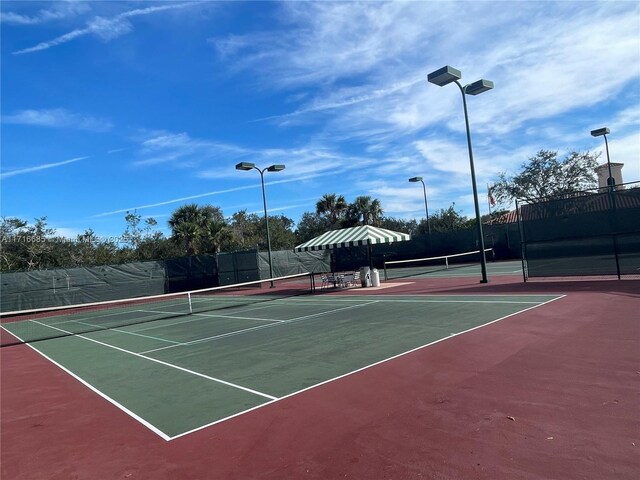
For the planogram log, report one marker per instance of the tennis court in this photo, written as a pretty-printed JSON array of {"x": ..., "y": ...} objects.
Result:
[
  {"x": 425, "y": 374},
  {"x": 180, "y": 374},
  {"x": 447, "y": 267}
]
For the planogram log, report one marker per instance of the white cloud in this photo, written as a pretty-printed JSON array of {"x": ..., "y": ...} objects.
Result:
[
  {"x": 362, "y": 68},
  {"x": 57, "y": 118},
  {"x": 38, "y": 168},
  {"x": 346, "y": 98},
  {"x": 105, "y": 29},
  {"x": 59, "y": 10},
  {"x": 161, "y": 203},
  {"x": 624, "y": 150},
  {"x": 329, "y": 41},
  {"x": 66, "y": 232},
  {"x": 216, "y": 160},
  {"x": 170, "y": 201},
  {"x": 180, "y": 150},
  {"x": 540, "y": 74},
  {"x": 546, "y": 60}
]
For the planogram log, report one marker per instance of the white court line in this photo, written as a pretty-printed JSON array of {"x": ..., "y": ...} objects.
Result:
[
  {"x": 285, "y": 301},
  {"x": 274, "y": 399},
  {"x": 218, "y": 316},
  {"x": 180, "y": 322},
  {"x": 167, "y": 364},
  {"x": 450, "y": 275},
  {"x": 100, "y": 328},
  {"x": 71, "y": 320},
  {"x": 214, "y": 315},
  {"x": 364, "y": 368},
  {"x": 413, "y": 297},
  {"x": 355, "y": 299},
  {"x": 259, "y": 327},
  {"x": 133, "y": 415}
]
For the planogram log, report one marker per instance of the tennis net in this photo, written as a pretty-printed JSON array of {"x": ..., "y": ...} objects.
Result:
[
  {"x": 26, "y": 326},
  {"x": 422, "y": 266}
]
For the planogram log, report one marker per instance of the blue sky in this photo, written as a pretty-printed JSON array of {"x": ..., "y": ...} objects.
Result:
[{"x": 109, "y": 107}]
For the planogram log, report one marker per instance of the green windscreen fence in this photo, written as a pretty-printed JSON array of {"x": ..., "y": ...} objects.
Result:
[
  {"x": 238, "y": 267},
  {"x": 32, "y": 325},
  {"x": 288, "y": 262},
  {"x": 191, "y": 273},
  {"x": 582, "y": 234},
  {"x": 72, "y": 286},
  {"x": 68, "y": 286}
]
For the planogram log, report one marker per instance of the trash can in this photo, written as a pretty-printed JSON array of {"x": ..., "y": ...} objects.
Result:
[
  {"x": 365, "y": 276},
  {"x": 375, "y": 278}
]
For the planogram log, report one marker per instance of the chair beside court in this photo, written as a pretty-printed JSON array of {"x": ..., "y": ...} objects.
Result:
[{"x": 343, "y": 280}]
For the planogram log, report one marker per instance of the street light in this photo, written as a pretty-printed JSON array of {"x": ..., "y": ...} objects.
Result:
[
  {"x": 602, "y": 132},
  {"x": 273, "y": 168},
  {"x": 426, "y": 207},
  {"x": 611, "y": 182},
  {"x": 445, "y": 76}
]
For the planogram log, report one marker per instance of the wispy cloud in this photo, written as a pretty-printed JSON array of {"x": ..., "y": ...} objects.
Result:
[
  {"x": 173, "y": 200},
  {"x": 58, "y": 11},
  {"x": 353, "y": 55},
  {"x": 57, "y": 118},
  {"x": 38, "y": 168},
  {"x": 346, "y": 98},
  {"x": 215, "y": 160},
  {"x": 206, "y": 194},
  {"x": 105, "y": 29},
  {"x": 180, "y": 150},
  {"x": 327, "y": 42}
]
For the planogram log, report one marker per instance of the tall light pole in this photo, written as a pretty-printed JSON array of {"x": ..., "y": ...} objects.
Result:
[
  {"x": 445, "y": 76},
  {"x": 611, "y": 185},
  {"x": 602, "y": 132},
  {"x": 273, "y": 168},
  {"x": 426, "y": 207}
]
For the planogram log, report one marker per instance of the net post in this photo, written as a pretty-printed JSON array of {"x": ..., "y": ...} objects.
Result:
[{"x": 523, "y": 243}]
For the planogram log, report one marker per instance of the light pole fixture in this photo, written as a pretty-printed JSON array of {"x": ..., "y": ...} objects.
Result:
[
  {"x": 273, "y": 168},
  {"x": 602, "y": 132},
  {"x": 426, "y": 207},
  {"x": 611, "y": 183},
  {"x": 445, "y": 76}
]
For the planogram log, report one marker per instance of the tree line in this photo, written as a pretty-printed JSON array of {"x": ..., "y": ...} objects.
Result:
[{"x": 197, "y": 229}]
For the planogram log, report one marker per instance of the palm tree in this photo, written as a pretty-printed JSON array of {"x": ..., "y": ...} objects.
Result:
[
  {"x": 333, "y": 207},
  {"x": 363, "y": 207},
  {"x": 187, "y": 234},
  {"x": 217, "y": 234},
  {"x": 192, "y": 226}
]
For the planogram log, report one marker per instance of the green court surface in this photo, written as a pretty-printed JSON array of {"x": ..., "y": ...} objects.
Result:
[
  {"x": 439, "y": 270},
  {"x": 180, "y": 374}
]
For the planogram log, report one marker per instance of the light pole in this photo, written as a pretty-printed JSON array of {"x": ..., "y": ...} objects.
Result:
[
  {"x": 426, "y": 207},
  {"x": 611, "y": 183},
  {"x": 273, "y": 168},
  {"x": 602, "y": 132},
  {"x": 445, "y": 76}
]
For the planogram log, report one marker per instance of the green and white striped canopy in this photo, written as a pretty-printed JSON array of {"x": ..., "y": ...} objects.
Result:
[{"x": 352, "y": 237}]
